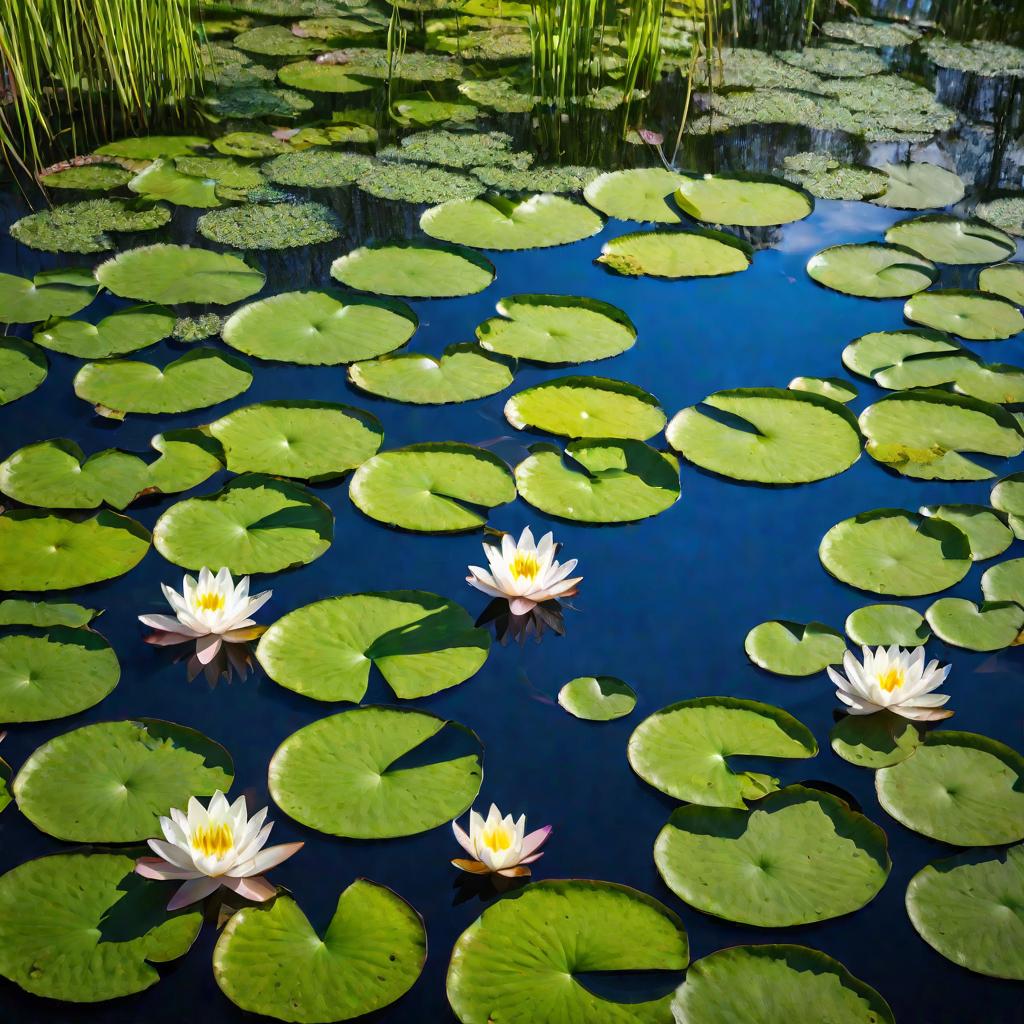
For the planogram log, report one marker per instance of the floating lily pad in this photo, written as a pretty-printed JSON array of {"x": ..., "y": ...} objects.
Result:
[
  {"x": 836, "y": 388},
  {"x": 587, "y": 407},
  {"x": 83, "y": 927},
  {"x": 877, "y": 740},
  {"x": 990, "y": 626},
  {"x": 835, "y": 60},
  {"x": 1006, "y": 280},
  {"x": 826, "y": 178},
  {"x": 767, "y": 435},
  {"x": 317, "y": 168},
  {"x": 742, "y": 201},
  {"x": 420, "y": 643},
  {"x": 794, "y": 649},
  {"x": 304, "y": 439},
  {"x": 517, "y": 963},
  {"x": 462, "y": 373},
  {"x": 683, "y": 749},
  {"x": 319, "y": 328},
  {"x": 152, "y": 147},
  {"x": 557, "y": 178},
  {"x": 17, "y": 612},
  {"x": 641, "y": 194},
  {"x": 872, "y": 354},
  {"x": 179, "y": 273},
  {"x": 110, "y": 782},
  {"x": 978, "y": 316},
  {"x": 50, "y": 293},
  {"x": 256, "y": 101},
  {"x": 435, "y": 487},
  {"x": 882, "y": 625},
  {"x": 313, "y": 77},
  {"x": 955, "y": 240},
  {"x": 255, "y": 524},
  {"x": 418, "y": 183},
  {"x": 459, "y": 149},
  {"x": 1008, "y": 497},
  {"x": 48, "y": 552},
  {"x": 920, "y": 186},
  {"x": 976, "y": 56},
  {"x": 597, "y": 698},
  {"x": 344, "y": 774},
  {"x": 599, "y": 480},
  {"x": 1004, "y": 581},
  {"x": 557, "y": 329},
  {"x": 871, "y": 32},
  {"x": 1006, "y": 212},
  {"x": 271, "y": 225},
  {"x": 126, "y": 330},
  {"x": 162, "y": 180},
  {"x": 414, "y": 269},
  {"x": 95, "y": 177},
  {"x": 895, "y": 552},
  {"x": 86, "y": 226},
  {"x": 250, "y": 145},
  {"x": 675, "y": 254},
  {"x": 200, "y": 378},
  {"x": 960, "y": 788},
  {"x": 965, "y": 908},
  {"x": 269, "y": 959},
  {"x": 23, "y": 367},
  {"x": 276, "y": 41},
  {"x": 986, "y": 532},
  {"x": 872, "y": 270}
]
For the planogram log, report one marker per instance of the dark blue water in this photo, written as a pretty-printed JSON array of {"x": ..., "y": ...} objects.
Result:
[{"x": 665, "y": 605}]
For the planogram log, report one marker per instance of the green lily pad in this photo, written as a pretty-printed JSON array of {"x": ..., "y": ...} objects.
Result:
[
  {"x": 798, "y": 856},
  {"x": 110, "y": 782},
  {"x": 977, "y": 316},
  {"x": 836, "y": 388},
  {"x": 895, "y": 552},
  {"x": 435, "y": 487},
  {"x": 920, "y": 186},
  {"x": 730, "y": 985},
  {"x": 319, "y": 328},
  {"x": 23, "y": 367},
  {"x": 17, "y": 612},
  {"x": 1006, "y": 280},
  {"x": 83, "y": 927},
  {"x": 767, "y": 435},
  {"x": 48, "y": 552},
  {"x": 986, "y": 532},
  {"x": 683, "y": 749},
  {"x": 960, "y": 241},
  {"x": 1006, "y": 212},
  {"x": 872, "y": 270},
  {"x": 960, "y": 788},
  {"x": 557, "y": 329},
  {"x": 597, "y": 698},
  {"x": 1004, "y": 581},
  {"x": 965, "y": 908},
  {"x": 152, "y": 147},
  {"x": 640, "y": 194},
  {"x": 201, "y": 377},
  {"x": 742, "y": 201},
  {"x": 794, "y": 649},
  {"x": 872, "y": 354},
  {"x": 55, "y": 673},
  {"x": 271, "y": 226},
  {"x": 88, "y": 178},
  {"x": 276, "y": 41},
  {"x": 414, "y": 269},
  {"x": 990, "y": 626},
  {"x": 587, "y": 407},
  {"x": 317, "y": 168},
  {"x": 87, "y": 226},
  {"x": 969, "y": 375},
  {"x": 517, "y": 962},
  {"x": 599, "y": 480},
  {"x": 307, "y": 440},
  {"x": 675, "y": 254},
  {"x": 313, "y": 77},
  {"x": 49, "y": 293},
  {"x": 254, "y": 524},
  {"x": 343, "y": 774},
  {"x": 179, "y": 273},
  {"x": 882, "y": 625},
  {"x": 877, "y": 740},
  {"x": 825, "y": 177},
  {"x": 126, "y": 330},
  {"x": 162, "y": 180},
  {"x": 420, "y": 643},
  {"x": 462, "y": 373},
  {"x": 269, "y": 959},
  {"x": 1008, "y": 496},
  {"x": 418, "y": 183},
  {"x": 251, "y": 145}
]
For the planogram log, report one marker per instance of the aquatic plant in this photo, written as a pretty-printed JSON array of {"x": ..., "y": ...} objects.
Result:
[
  {"x": 892, "y": 679},
  {"x": 499, "y": 845}
]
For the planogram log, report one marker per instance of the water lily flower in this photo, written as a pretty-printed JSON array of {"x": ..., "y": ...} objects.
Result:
[
  {"x": 499, "y": 845},
  {"x": 893, "y": 679},
  {"x": 524, "y": 573},
  {"x": 215, "y": 846}
]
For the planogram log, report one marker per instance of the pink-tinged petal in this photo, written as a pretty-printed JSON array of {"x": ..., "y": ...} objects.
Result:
[
  {"x": 207, "y": 648},
  {"x": 154, "y": 867},
  {"x": 257, "y": 889},
  {"x": 462, "y": 839},
  {"x": 193, "y": 891},
  {"x": 521, "y": 605},
  {"x": 166, "y": 624},
  {"x": 530, "y": 860},
  {"x": 272, "y": 856},
  {"x": 535, "y": 840},
  {"x": 168, "y": 639},
  {"x": 171, "y": 853},
  {"x": 922, "y": 714}
]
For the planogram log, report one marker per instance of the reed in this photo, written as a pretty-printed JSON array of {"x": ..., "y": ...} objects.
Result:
[{"x": 567, "y": 40}]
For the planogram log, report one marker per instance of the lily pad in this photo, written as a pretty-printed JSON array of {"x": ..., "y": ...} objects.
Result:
[
  {"x": 23, "y": 367},
  {"x": 420, "y": 643},
  {"x": 683, "y": 750},
  {"x": 1008, "y": 496},
  {"x": 110, "y": 782},
  {"x": 1006, "y": 212},
  {"x": 414, "y": 269},
  {"x": 1006, "y": 280},
  {"x": 640, "y": 194},
  {"x": 1004, "y": 581},
  {"x": 960, "y": 788},
  {"x": 126, "y": 330},
  {"x": 95, "y": 177},
  {"x": 307, "y": 440},
  {"x": 872, "y": 270},
  {"x": 17, "y": 612},
  {"x": 152, "y": 147},
  {"x": 276, "y": 41},
  {"x": 877, "y": 740},
  {"x": 317, "y": 168},
  {"x": 986, "y": 532},
  {"x": 313, "y": 77},
  {"x": 675, "y": 254},
  {"x": 597, "y": 698},
  {"x": 990, "y": 626},
  {"x": 920, "y": 186},
  {"x": 87, "y": 226},
  {"x": 439, "y": 487},
  {"x": 162, "y": 180},
  {"x": 418, "y": 183},
  {"x": 517, "y": 963},
  {"x": 83, "y": 927},
  {"x": 882, "y": 625},
  {"x": 255, "y": 524},
  {"x": 599, "y": 480},
  {"x": 968, "y": 374},
  {"x": 269, "y": 959},
  {"x": 872, "y": 354},
  {"x": 977, "y": 316},
  {"x": 742, "y": 201},
  {"x": 960, "y": 241},
  {"x": 50, "y": 293},
  {"x": 271, "y": 225},
  {"x": 344, "y": 774},
  {"x": 794, "y": 649},
  {"x": 895, "y": 552},
  {"x": 836, "y": 388}
]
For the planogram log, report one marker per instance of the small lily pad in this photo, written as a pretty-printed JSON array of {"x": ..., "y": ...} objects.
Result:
[
  {"x": 1004, "y": 581},
  {"x": 50, "y": 293},
  {"x": 676, "y": 254},
  {"x": 126, "y": 330},
  {"x": 152, "y": 147},
  {"x": 742, "y": 201},
  {"x": 643, "y": 194},
  {"x": 313, "y": 77},
  {"x": 977, "y": 316},
  {"x": 990, "y": 626},
  {"x": 23, "y": 367},
  {"x": 920, "y": 186},
  {"x": 872, "y": 270},
  {"x": 882, "y": 625},
  {"x": 1006, "y": 280},
  {"x": 872, "y": 354},
  {"x": 597, "y": 698},
  {"x": 877, "y": 740},
  {"x": 836, "y": 388},
  {"x": 95, "y": 177},
  {"x": 17, "y": 612},
  {"x": 162, "y": 180},
  {"x": 1006, "y": 212},
  {"x": 1008, "y": 496},
  {"x": 986, "y": 532},
  {"x": 414, "y": 269},
  {"x": 960, "y": 241},
  {"x": 794, "y": 649}
]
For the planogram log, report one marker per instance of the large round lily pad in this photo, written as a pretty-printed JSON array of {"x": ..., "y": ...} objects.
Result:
[
  {"x": 23, "y": 367},
  {"x": 794, "y": 649},
  {"x": 920, "y": 186},
  {"x": 517, "y": 962},
  {"x": 599, "y": 480},
  {"x": 110, "y": 782},
  {"x": 683, "y": 749},
  {"x": 944, "y": 238},
  {"x": 877, "y": 740},
  {"x": 1004, "y": 581},
  {"x": 49, "y": 293},
  {"x": 643, "y": 193},
  {"x": 270, "y": 960},
  {"x": 345, "y": 774},
  {"x": 420, "y": 643},
  {"x": 882, "y": 625},
  {"x": 432, "y": 487},
  {"x": 126, "y": 330},
  {"x": 960, "y": 788},
  {"x": 895, "y": 552},
  {"x": 303, "y": 439},
  {"x": 872, "y": 270},
  {"x": 742, "y": 201},
  {"x": 675, "y": 254},
  {"x": 597, "y": 698},
  {"x": 798, "y": 856},
  {"x": 414, "y": 269},
  {"x": 968, "y": 909},
  {"x": 255, "y": 524},
  {"x": 977, "y": 316},
  {"x": 83, "y": 927},
  {"x": 990, "y": 626},
  {"x": 39, "y": 551}
]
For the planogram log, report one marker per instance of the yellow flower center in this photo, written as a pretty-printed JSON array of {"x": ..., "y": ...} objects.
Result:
[
  {"x": 213, "y": 840},
  {"x": 524, "y": 566},
  {"x": 891, "y": 679},
  {"x": 497, "y": 839},
  {"x": 210, "y": 601}
]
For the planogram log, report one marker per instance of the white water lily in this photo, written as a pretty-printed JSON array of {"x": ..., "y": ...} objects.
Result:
[
  {"x": 499, "y": 845},
  {"x": 210, "y": 847},
  {"x": 524, "y": 573},
  {"x": 893, "y": 679}
]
